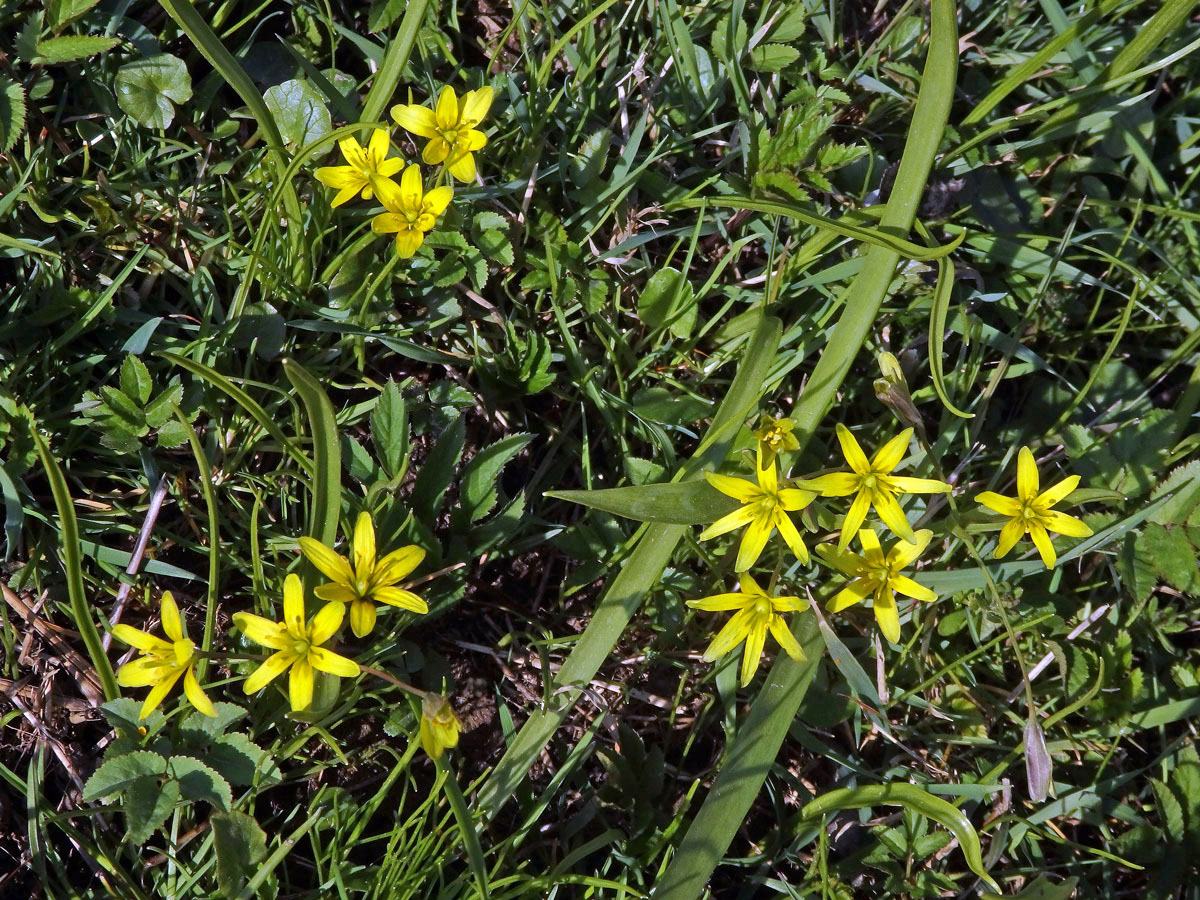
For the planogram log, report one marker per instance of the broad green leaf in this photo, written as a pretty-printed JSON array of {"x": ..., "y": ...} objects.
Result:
[
  {"x": 914, "y": 798},
  {"x": 1173, "y": 556},
  {"x": 389, "y": 429},
  {"x": 678, "y": 503},
  {"x": 668, "y": 298},
  {"x": 118, "y": 773},
  {"x": 159, "y": 410},
  {"x": 1183, "y": 484},
  {"x": 479, "y": 492},
  {"x": 124, "y": 407},
  {"x": 122, "y": 714},
  {"x": 147, "y": 803},
  {"x": 239, "y": 760},
  {"x": 147, "y": 87},
  {"x": 438, "y": 470},
  {"x": 200, "y": 782},
  {"x": 772, "y": 57},
  {"x": 64, "y": 12},
  {"x": 172, "y": 434},
  {"x": 135, "y": 379},
  {"x": 72, "y": 47},
  {"x": 241, "y": 845},
  {"x": 358, "y": 462},
  {"x": 202, "y": 728},
  {"x": 12, "y": 113},
  {"x": 300, "y": 112}
]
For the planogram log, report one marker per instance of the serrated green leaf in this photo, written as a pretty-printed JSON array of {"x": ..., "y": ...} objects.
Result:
[
  {"x": 591, "y": 157},
  {"x": 1184, "y": 484},
  {"x": 496, "y": 246},
  {"x": 790, "y": 25},
  {"x": 772, "y": 57},
  {"x": 679, "y": 503},
  {"x": 358, "y": 462},
  {"x": 124, "y": 407},
  {"x": 159, "y": 411},
  {"x": 300, "y": 112},
  {"x": 1173, "y": 557},
  {"x": 12, "y": 113},
  {"x": 389, "y": 429},
  {"x": 199, "y": 729},
  {"x": 729, "y": 38},
  {"x": 238, "y": 759},
  {"x": 135, "y": 379},
  {"x": 120, "y": 772},
  {"x": 64, "y": 12},
  {"x": 172, "y": 434},
  {"x": 26, "y": 42},
  {"x": 241, "y": 845},
  {"x": 74, "y": 46},
  {"x": 668, "y": 298},
  {"x": 490, "y": 221},
  {"x": 1170, "y": 810},
  {"x": 200, "y": 782},
  {"x": 122, "y": 714},
  {"x": 147, "y": 803},
  {"x": 479, "y": 492},
  {"x": 435, "y": 475},
  {"x": 147, "y": 87}
]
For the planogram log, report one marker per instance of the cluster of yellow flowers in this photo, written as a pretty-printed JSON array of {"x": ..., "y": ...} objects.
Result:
[
  {"x": 358, "y": 583},
  {"x": 410, "y": 210},
  {"x": 876, "y": 573}
]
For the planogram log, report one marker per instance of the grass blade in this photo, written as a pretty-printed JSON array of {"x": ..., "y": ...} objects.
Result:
[
  {"x": 383, "y": 87},
  {"x": 204, "y": 471},
  {"x": 327, "y": 454}
]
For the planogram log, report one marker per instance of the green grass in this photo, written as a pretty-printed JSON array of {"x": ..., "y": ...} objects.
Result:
[{"x": 689, "y": 215}]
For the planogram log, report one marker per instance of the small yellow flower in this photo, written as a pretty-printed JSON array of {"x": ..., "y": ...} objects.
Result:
[
  {"x": 450, "y": 127},
  {"x": 757, "y": 613},
  {"x": 775, "y": 436},
  {"x": 878, "y": 576},
  {"x": 1030, "y": 512},
  {"x": 873, "y": 484},
  {"x": 297, "y": 647},
  {"x": 162, "y": 662},
  {"x": 439, "y": 727},
  {"x": 368, "y": 168},
  {"x": 765, "y": 507},
  {"x": 367, "y": 580},
  {"x": 410, "y": 211}
]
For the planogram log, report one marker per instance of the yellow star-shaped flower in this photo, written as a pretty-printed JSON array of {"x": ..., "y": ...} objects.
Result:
[
  {"x": 298, "y": 647},
  {"x": 775, "y": 436},
  {"x": 162, "y": 662},
  {"x": 877, "y": 575},
  {"x": 1030, "y": 511},
  {"x": 368, "y": 580},
  {"x": 873, "y": 484},
  {"x": 757, "y": 613},
  {"x": 411, "y": 211},
  {"x": 368, "y": 168},
  {"x": 765, "y": 507},
  {"x": 450, "y": 128},
  {"x": 439, "y": 728}
]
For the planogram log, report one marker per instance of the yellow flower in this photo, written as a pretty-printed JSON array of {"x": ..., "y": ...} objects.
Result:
[
  {"x": 757, "y": 613},
  {"x": 764, "y": 508},
  {"x": 774, "y": 436},
  {"x": 450, "y": 127},
  {"x": 368, "y": 580},
  {"x": 162, "y": 662},
  {"x": 368, "y": 168},
  {"x": 1030, "y": 512},
  {"x": 410, "y": 211},
  {"x": 296, "y": 646},
  {"x": 878, "y": 576},
  {"x": 439, "y": 727},
  {"x": 873, "y": 484}
]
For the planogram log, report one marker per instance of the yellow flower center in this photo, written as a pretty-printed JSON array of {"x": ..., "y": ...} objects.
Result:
[
  {"x": 1028, "y": 513},
  {"x": 762, "y": 607},
  {"x": 450, "y": 136},
  {"x": 870, "y": 482},
  {"x": 301, "y": 646}
]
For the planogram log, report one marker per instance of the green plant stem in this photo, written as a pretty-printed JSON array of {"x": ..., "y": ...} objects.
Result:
[
  {"x": 466, "y": 825},
  {"x": 204, "y": 471},
  {"x": 73, "y": 564},
  {"x": 383, "y": 87}
]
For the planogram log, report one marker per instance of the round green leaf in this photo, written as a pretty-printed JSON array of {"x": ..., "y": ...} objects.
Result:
[
  {"x": 300, "y": 112},
  {"x": 147, "y": 87}
]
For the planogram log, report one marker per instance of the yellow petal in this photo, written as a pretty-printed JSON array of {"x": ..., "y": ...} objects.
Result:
[
  {"x": 470, "y": 141},
  {"x": 158, "y": 693},
  {"x": 389, "y": 167},
  {"x": 749, "y": 586},
  {"x": 835, "y": 484},
  {"x": 791, "y": 536},
  {"x": 335, "y": 593},
  {"x": 793, "y": 499},
  {"x": 1060, "y": 491},
  {"x": 353, "y": 151},
  {"x": 728, "y": 637},
  {"x": 1045, "y": 546},
  {"x": 408, "y": 243},
  {"x": 172, "y": 622},
  {"x": 363, "y": 546},
  {"x": 1064, "y": 524},
  {"x": 436, "y": 201},
  {"x": 845, "y": 562},
  {"x": 890, "y": 454},
  {"x": 870, "y": 543},
  {"x": 1027, "y": 475},
  {"x": 333, "y": 663},
  {"x": 755, "y": 538},
  {"x": 1009, "y": 535},
  {"x": 127, "y": 634},
  {"x": 196, "y": 695},
  {"x": 462, "y": 166},
  {"x": 742, "y": 516},
  {"x": 855, "y": 592},
  {"x": 887, "y": 616},
  {"x": 909, "y": 588},
  {"x": 142, "y": 672},
  {"x": 262, "y": 631},
  {"x": 418, "y": 120},
  {"x": 446, "y": 110},
  {"x": 398, "y": 564},
  {"x": 300, "y": 685},
  {"x": 394, "y": 596},
  {"x": 274, "y": 666},
  {"x": 293, "y": 605},
  {"x": 386, "y": 223},
  {"x": 855, "y": 458},
  {"x": 888, "y": 508},
  {"x": 768, "y": 479},
  {"x": 362, "y": 617},
  {"x": 906, "y": 552},
  {"x": 326, "y": 622},
  {"x": 739, "y": 489},
  {"x": 474, "y": 106},
  {"x": 341, "y": 177},
  {"x": 429, "y": 740},
  {"x": 998, "y": 503},
  {"x": 391, "y": 196},
  {"x": 855, "y": 516},
  {"x": 411, "y": 190},
  {"x": 435, "y": 152},
  {"x": 377, "y": 150},
  {"x": 756, "y": 637},
  {"x": 786, "y": 639},
  {"x": 905, "y": 485},
  {"x": 332, "y": 564},
  {"x": 720, "y": 602}
]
